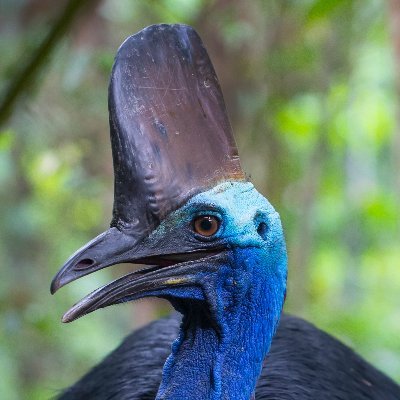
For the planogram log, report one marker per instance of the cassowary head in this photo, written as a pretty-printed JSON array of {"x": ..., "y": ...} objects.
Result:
[
  {"x": 214, "y": 249},
  {"x": 213, "y": 245}
]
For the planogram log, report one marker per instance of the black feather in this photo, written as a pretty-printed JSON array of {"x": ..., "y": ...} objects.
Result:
[{"x": 304, "y": 363}]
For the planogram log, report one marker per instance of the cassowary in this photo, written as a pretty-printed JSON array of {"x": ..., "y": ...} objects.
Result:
[{"x": 213, "y": 246}]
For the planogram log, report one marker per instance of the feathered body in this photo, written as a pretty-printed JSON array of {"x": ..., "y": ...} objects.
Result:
[{"x": 304, "y": 363}]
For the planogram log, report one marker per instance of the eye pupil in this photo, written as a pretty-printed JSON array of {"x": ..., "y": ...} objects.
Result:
[{"x": 206, "y": 225}]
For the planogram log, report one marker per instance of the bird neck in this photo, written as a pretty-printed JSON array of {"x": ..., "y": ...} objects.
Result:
[{"x": 222, "y": 342}]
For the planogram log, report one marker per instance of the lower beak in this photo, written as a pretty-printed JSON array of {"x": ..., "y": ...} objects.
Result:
[{"x": 167, "y": 270}]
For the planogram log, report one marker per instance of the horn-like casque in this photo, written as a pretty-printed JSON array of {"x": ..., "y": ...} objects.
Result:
[{"x": 171, "y": 137}]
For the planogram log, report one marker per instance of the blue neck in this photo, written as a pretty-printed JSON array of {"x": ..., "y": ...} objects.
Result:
[{"x": 219, "y": 353}]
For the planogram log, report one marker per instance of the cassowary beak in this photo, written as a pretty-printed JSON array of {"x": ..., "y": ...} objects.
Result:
[{"x": 168, "y": 269}]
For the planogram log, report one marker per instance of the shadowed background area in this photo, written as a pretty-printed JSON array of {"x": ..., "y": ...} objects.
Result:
[{"x": 312, "y": 90}]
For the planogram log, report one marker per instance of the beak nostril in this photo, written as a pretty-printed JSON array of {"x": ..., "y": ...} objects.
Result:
[
  {"x": 262, "y": 230},
  {"x": 83, "y": 264}
]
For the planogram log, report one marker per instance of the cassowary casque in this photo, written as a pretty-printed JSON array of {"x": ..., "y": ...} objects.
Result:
[{"x": 214, "y": 247}]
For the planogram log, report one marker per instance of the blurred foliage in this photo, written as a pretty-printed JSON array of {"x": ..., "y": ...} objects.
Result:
[{"x": 310, "y": 87}]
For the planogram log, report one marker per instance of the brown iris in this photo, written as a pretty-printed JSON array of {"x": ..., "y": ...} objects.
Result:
[{"x": 206, "y": 225}]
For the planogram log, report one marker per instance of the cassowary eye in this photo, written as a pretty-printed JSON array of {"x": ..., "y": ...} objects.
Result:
[{"x": 206, "y": 225}]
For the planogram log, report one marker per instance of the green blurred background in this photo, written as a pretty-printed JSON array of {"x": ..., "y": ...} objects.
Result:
[{"x": 312, "y": 88}]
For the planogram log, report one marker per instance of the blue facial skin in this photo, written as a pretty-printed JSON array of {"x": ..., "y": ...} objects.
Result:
[{"x": 229, "y": 319}]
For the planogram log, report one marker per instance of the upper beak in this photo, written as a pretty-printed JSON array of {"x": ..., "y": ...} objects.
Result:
[
  {"x": 109, "y": 248},
  {"x": 114, "y": 247}
]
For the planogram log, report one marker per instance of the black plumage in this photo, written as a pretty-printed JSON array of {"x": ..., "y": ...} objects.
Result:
[{"x": 304, "y": 363}]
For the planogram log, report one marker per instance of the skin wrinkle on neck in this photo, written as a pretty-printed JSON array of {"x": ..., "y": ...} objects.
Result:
[{"x": 224, "y": 339}]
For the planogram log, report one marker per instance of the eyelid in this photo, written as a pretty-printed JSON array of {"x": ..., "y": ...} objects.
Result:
[{"x": 208, "y": 210}]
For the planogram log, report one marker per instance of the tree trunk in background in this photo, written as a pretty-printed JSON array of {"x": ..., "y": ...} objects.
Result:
[
  {"x": 394, "y": 20},
  {"x": 28, "y": 74}
]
